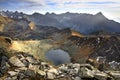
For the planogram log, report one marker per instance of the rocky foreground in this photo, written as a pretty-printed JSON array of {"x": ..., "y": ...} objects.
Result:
[{"x": 23, "y": 66}]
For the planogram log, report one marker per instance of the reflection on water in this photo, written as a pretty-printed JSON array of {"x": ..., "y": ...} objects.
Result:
[{"x": 58, "y": 56}]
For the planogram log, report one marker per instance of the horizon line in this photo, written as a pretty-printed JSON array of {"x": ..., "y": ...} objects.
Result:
[
  {"x": 62, "y": 13},
  {"x": 53, "y": 12}
]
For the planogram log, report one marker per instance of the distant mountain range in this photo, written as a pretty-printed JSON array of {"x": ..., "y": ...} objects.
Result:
[{"x": 84, "y": 23}]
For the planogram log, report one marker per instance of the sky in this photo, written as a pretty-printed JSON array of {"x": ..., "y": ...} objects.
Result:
[{"x": 110, "y": 8}]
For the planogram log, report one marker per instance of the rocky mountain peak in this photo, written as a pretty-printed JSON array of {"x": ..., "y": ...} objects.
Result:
[
  {"x": 100, "y": 14},
  {"x": 47, "y": 13},
  {"x": 36, "y": 14}
]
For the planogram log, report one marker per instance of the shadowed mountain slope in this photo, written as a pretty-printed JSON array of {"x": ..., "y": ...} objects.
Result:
[{"x": 84, "y": 23}]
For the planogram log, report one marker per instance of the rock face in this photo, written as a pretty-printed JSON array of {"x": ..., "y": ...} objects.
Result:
[
  {"x": 23, "y": 66},
  {"x": 108, "y": 55},
  {"x": 13, "y": 27},
  {"x": 32, "y": 26},
  {"x": 3, "y": 22}
]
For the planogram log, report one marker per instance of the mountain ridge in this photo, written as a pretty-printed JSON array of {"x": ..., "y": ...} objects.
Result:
[{"x": 81, "y": 22}]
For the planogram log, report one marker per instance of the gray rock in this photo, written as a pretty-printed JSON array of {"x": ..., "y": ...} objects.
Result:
[
  {"x": 44, "y": 65},
  {"x": 50, "y": 75},
  {"x": 21, "y": 75},
  {"x": 34, "y": 67},
  {"x": 101, "y": 76},
  {"x": 73, "y": 71},
  {"x": 46, "y": 71},
  {"x": 30, "y": 59},
  {"x": 63, "y": 68},
  {"x": 86, "y": 73},
  {"x": 29, "y": 73},
  {"x": 54, "y": 71},
  {"x": 115, "y": 74},
  {"x": 14, "y": 78},
  {"x": 77, "y": 78},
  {"x": 16, "y": 62},
  {"x": 12, "y": 73},
  {"x": 4, "y": 58},
  {"x": 42, "y": 73},
  {"x": 8, "y": 78},
  {"x": 4, "y": 65},
  {"x": 4, "y": 68},
  {"x": 21, "y": 68},
  {"x": 76, "y": 65},
  {"x": 25, "y": 62}
]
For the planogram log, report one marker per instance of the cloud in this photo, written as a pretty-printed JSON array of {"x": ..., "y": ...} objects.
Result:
[
  {"x": 64, "y": 3},
  {"x": 60, "y": 3},
  {"x": 85, "y": 4},
  {"x": 34, "y": 2},
  {"x": 84, "y": 1},
  {"x": 101, "y": 1},
  {"x": 98, "y": 3},
  {"x": 23, "y": 3}
]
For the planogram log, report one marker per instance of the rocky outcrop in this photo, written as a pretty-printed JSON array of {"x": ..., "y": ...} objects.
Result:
[
  {"x": 23, "y": 66},
  {"x": 5, "y": 20},
  {"x": 32, "y": 26},
  {"x": 107, "y": 56}
]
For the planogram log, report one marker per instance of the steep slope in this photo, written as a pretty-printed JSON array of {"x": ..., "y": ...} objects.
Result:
[
  {"x": 108, "y": 55},
  {"x": 24, "y": 29},
  {"x": 4, "y": 21},
  {"x": 14, "y": 25},
  {"x": 75, "y": 33},
  {"x": 86, "y": 23},
  {"x": 44, "y": 20}
]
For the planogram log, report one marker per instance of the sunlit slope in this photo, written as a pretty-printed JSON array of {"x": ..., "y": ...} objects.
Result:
[{"x": 37, "y": 47}]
